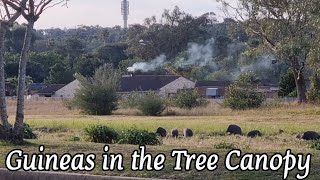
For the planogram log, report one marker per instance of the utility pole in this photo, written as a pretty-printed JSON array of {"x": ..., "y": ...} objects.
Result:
[{"x": 125, "y": 12}]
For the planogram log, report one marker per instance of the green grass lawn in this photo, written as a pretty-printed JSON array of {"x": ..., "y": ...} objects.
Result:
[{"x": 55, "y": 133}]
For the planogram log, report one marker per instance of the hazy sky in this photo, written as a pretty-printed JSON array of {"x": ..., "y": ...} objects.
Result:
[{"x": 108, "y": 13}]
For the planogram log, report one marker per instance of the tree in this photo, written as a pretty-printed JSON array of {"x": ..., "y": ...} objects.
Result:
[
  {"x": 8, "y": 17},
  {"x": 98, "y": 95},
  {"x": 168, "y": 36},
  {"x": 15, "y": 38},
  {"x": 31, "y": 12},
  {"x": 289, "y": 29},
  {"x": 59, "y": 74},
  {"x": 112, "y": 53}
]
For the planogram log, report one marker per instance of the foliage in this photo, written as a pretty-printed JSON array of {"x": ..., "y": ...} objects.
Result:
[
  {"x": 189, "y": 99},
  {"x": 98, "y": 95},
  {"x": 225, "y": 145},
  {"x": 292, "y": 38},
  {"x": 314, "y": 92},
  {"x": 131, "y": 101},
  {"x": 100, "y": 134},
  {"x": 151, "y": 104},
  {"x": 74, "y": 138},
  {"x": 314, "y": 145},
  {"x": 139, "y": 137},
  {"x": 28, "y": 133},
  {"x": 242, "y": 94},
  {"x": 287, "y": 84}
]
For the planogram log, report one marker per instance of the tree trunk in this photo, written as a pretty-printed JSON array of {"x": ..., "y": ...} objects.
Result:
[
  {"x": 19, "y": 125},
  {"x": 301, "y": 86},
  {"x": 3, "y": 104}
]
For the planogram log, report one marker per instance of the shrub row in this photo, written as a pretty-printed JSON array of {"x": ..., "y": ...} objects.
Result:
[
  {"x": 153, "y": 104},
  {"x": 105, "y": 134}
]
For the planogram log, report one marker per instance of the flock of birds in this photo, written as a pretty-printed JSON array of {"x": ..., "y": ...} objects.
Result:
[{"x": 234, "y": 130}]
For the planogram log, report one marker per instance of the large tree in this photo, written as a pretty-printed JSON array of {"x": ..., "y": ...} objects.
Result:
[
  {"x": 31, "y": 12},
  {"x": 8, "y": 16},
  {"x": 289, "y": 29}
]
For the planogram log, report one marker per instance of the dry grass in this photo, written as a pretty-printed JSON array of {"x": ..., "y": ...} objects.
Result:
[
  {"x": 50, "y": 107},
  {"x": 55, "y": 126},
  {"x": 58, "y": 108}
]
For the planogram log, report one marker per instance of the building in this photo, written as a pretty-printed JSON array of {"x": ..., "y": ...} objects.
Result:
[
  {"x": 212, "y": 89},
  {"x": 166, "y": 85},
  {"x": 49, "y": 91}
]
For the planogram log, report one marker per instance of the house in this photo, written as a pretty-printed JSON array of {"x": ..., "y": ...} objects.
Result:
[
  {"x": 212, "y": 89},
  {"x": 49, "y": 91},
  {"x": 35, "y": 87},
  {"x": 163, "y": 84}
]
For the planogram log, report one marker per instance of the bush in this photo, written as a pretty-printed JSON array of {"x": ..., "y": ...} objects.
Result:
[
  {"x": 287, "y": 85},
  {"x": 98, "y": 95},
  {"x": 189, "y": 99},
  {"x": 28, "y": 133},
  {"x": 139, "y": 137},
  {"x": 314, "y": 145},
  {"x": 151, "y": 104},
  {"x": 314, "y": 94},
  {"x": 240, "y": 99},
  {"x": 100, "y": 134},
  {"x": 224, "y": 145},
  {"x": 131, "y": 101},
  {"x": 242, "y": 94}
]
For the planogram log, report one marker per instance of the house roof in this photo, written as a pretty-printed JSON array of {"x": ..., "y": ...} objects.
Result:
[
  {"x": 145, "y": 82},
  {"x": 212, "y": 83},
  {"x": 36, "y": 86},
  {"x": 51, "y": 89}
]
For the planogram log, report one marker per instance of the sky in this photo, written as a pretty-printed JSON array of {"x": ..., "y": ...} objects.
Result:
[{"x": 107, "y": 13}]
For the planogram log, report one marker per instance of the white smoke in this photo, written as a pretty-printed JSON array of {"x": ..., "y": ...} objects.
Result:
[
  {"x": 199, "y": 54},
  {"x": 264, "y": 62},
  {"x": 149, "y": 66},
  {"x": 262, "y": 65}
]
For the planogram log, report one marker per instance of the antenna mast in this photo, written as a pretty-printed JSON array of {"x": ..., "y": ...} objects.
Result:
[{"x": 125, "y": 12}]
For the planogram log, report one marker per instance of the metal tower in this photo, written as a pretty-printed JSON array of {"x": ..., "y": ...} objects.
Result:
[{"x": 125, "y": 12}]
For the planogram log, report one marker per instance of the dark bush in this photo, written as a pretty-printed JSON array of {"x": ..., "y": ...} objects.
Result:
[
  {"x": 188, "y": 99},
  {"x": 151, "y": 104},
  {"x": 139, "y": 137},
  {"x": 28, "y": 133},
  {"x": 100, "y": 134}
]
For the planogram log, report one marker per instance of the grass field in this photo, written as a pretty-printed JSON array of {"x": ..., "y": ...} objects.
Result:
[{"x": 55, "y": 126}]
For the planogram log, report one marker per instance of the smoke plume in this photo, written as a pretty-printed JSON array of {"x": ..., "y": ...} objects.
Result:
[
  {"x": 199, "y": 54},
  {"x": 149, "y": 66}
]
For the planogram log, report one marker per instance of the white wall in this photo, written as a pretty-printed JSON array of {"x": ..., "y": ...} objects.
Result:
[
  {"x": 174, "y": 86},
  {"x": 68, "y": 91}
]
